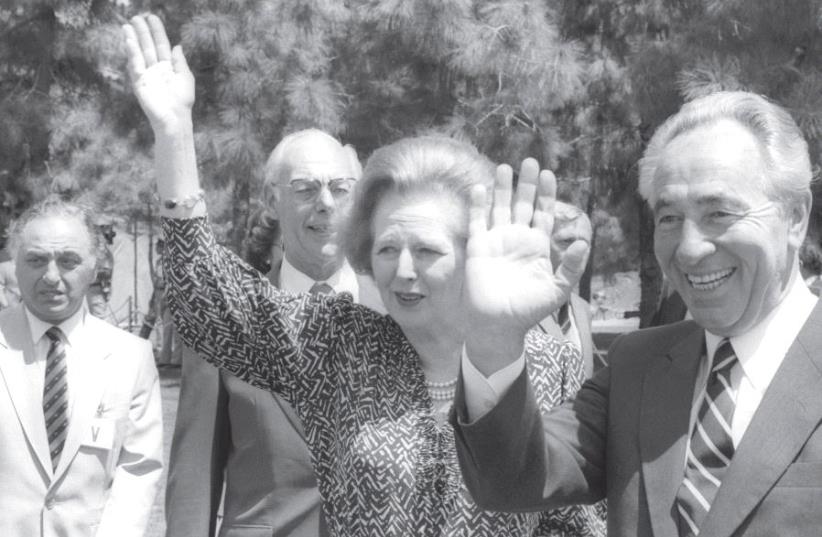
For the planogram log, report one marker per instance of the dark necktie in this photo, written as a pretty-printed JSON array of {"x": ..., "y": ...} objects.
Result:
[
  {"x": 321, "y": 288},
  {"x": 711, "y": 447},
  {"x": 563, "y": 319},
  {"x": 55, "y": 395}
]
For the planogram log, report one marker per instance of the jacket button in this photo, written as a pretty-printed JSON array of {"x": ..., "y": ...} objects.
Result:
[{"x": 49, "y": 503}]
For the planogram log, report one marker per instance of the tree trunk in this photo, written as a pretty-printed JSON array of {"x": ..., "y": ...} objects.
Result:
[
  {"x": 650, "y": 275},
  {"x": 239, "y": 212},
  {"x": 585, "y": 281},
  {"x": 45, "y": 35}
]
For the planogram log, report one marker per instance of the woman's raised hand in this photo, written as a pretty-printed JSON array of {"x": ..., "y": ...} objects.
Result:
[
  {"x": 510, "y": 284},
  {"x": 160, "y": 76}
]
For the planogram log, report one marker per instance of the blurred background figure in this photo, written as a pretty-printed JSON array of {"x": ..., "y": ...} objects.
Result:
[
  {"x": 572, "y": 322},
  {"x": 9, "y": 291},
  {"x": 671, "y": 306},
  {"x": 263, "y": 247},
  {"x": 99, "y": 292},
  {"x": 810, "y": 264},
  {"x": 599, "y": 311},
  {"x": 169, "y": 351}
]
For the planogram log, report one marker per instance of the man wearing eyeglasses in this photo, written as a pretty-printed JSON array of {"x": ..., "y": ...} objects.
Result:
[{"x": 239, "y": 440}]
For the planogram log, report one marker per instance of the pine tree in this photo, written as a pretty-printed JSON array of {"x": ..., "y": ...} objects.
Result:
[{"x": 68, "y": 118}]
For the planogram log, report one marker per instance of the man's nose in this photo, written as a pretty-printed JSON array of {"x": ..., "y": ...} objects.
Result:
[
  {"x": 52, "y": 273},
  {"x": 325, "y": 200},
  {"x": 694, "y": 244}
]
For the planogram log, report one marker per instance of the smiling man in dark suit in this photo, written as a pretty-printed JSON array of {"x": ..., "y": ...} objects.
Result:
[{"x": 704, "y": 427}]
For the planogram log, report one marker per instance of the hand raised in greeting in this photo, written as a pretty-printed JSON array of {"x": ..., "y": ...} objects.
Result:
[
  {"x": 510, "y": 284},
  {"x": 160, "y": 76}
]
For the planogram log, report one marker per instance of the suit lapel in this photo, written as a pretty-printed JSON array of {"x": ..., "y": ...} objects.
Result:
[
  {"x": 550, "y": 327},
  {"x": 667, "y": 394},
  {"x": 21, "y": 377},
  {"x": 89, "y": 386},
  {"x": 582, "y": 320},
  {"x": 790, "y": 411}
]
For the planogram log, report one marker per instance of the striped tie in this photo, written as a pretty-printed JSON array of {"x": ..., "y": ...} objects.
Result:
[
  {"x": 711, "y": 447},
  {"x": 55, "y": 395}
]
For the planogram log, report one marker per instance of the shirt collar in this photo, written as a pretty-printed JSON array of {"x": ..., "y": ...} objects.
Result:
[
  {"x": 70, "y": 327},
  {"x": 762, "y": 349},
  {"x": 294, "y": 281}
]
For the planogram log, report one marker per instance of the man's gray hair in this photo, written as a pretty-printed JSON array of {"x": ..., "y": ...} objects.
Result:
[
  {"x": 53, "y": 205},
  {"x": 275, "y": 166},
  {"x": 784, "y": 148}
]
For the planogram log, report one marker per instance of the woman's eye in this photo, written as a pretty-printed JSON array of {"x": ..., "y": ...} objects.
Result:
[
  {"x": 427, "y": 250},
  {"x": 386, "y": 250}
]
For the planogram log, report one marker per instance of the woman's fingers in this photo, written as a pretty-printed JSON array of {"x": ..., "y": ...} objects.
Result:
[
  {"x": 145, "y": 39},
  {"x": 158, "y": 35},
  {"x": 136, "y": 63},
  {"x": 477, "y": 211},
  {"x": 546, "y": 202},
  {"x": 178, "y": 61},
  {"x": 523, "y": 209},
  {"x": 503, "y": 186}
]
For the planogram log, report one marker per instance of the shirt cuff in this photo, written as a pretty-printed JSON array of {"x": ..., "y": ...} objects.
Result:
[{"x": 483, "y": 393}]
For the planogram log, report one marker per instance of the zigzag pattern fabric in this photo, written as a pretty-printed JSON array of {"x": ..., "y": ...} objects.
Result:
[
  {"x": 385, "y": 464},
  {"x": 55, "y": 395},
  {"x": 711, "y": 447}
]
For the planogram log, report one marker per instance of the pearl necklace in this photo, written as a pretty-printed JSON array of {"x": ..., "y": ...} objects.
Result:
[
  {"x": 442, "y": 391},
  {"x": 447, "y": 384}
]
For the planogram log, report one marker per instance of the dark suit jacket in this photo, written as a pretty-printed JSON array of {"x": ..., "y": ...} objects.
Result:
[
  {"x": 580, "y": 310},
  {"x": 625, "y": 435},
  {"x": 230, "y": 432}
]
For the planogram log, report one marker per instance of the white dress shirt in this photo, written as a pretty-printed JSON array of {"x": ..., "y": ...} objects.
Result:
[
  {"x": 294, "y": 281},
  {"x": 345, "y": 280},
  {"x": 760, "y": 352},
  {"x": 73, "y": 329}
]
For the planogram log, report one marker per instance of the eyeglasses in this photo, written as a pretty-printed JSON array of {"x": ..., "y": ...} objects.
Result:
[{"x": 306, "y": 190}]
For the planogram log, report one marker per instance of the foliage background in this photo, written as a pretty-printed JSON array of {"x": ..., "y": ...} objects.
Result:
[{"x": 579, "y": 84}]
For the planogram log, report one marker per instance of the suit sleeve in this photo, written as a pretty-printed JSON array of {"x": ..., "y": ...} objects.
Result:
[
  {"x": 199, "y": 451},
  {"x": 137, "y": 474},
  {"x": 514, "y": 458}
]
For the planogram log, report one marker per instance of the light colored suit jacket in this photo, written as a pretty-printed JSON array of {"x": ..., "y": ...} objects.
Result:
[
  {"x": 580, "y": 311},
  {"x": 229, "y": 433},
  {"x": 625, "y": 435},
  {"x": 109, "y": 470}
]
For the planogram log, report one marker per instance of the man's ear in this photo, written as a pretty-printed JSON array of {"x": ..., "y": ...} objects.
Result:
[
  {"x": 797, "y": 216},
  {"x": 271, "y": 197}
]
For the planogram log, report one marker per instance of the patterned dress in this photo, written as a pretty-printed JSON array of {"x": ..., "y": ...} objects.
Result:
[{"x": 386, "y": 466}]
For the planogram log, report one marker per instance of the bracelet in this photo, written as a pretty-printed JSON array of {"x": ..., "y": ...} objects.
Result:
[{"x": 187, "y": 202}]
